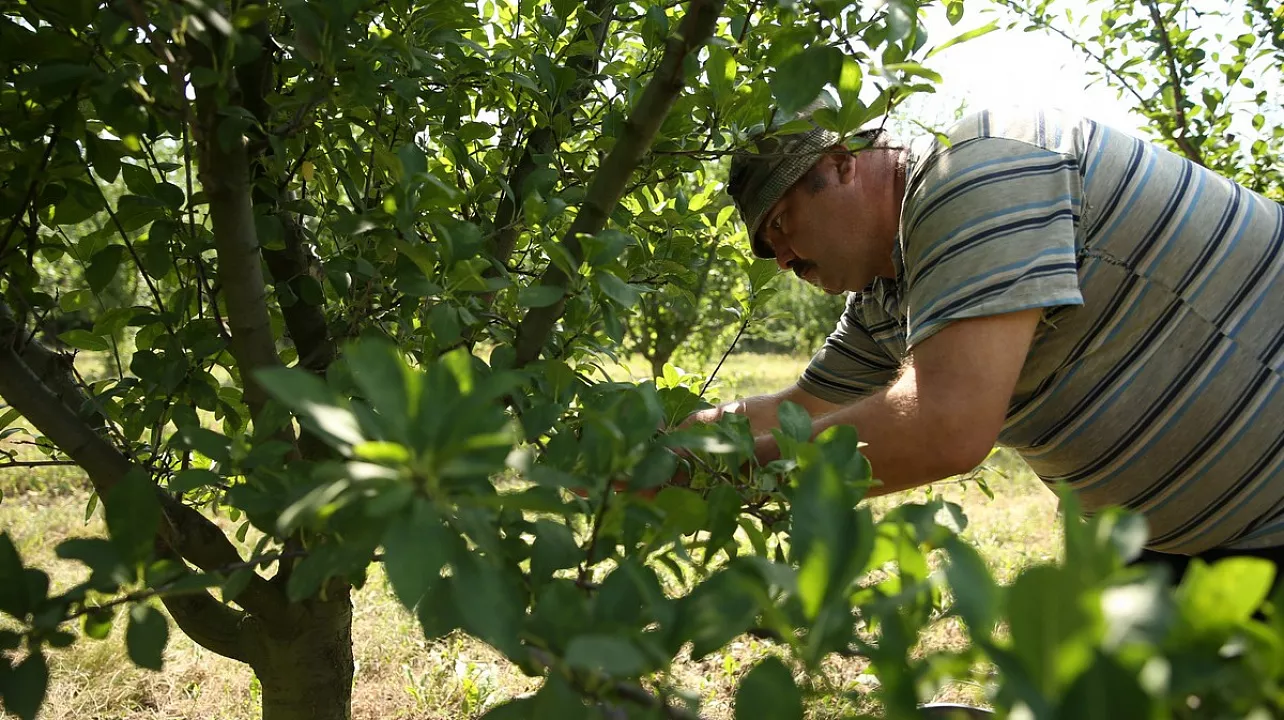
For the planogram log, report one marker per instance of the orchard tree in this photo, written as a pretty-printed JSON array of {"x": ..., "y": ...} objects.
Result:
[
  {"x": 378, "y": 251},
  {"x": 1191, "y": 68}
]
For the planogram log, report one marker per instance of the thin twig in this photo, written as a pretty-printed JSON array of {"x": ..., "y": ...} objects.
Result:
[
  {"x": 31, "y": 189},
  {"x": 129, "y": 245},
  {"x": 597, "y": 530},
  {"x": 744, "y": 29},
  {"x": 34, "y": 463},
  {"x": 1175, "y": 78},
  {"x": 743, "y": 325}
]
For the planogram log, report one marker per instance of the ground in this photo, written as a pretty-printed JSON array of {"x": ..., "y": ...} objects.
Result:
[{"x": 400, "y": 675}]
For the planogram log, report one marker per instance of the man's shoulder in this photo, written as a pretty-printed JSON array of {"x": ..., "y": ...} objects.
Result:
[
  {"x": 1014, "y": 140},
  {"x": 1004, "y": 129}
]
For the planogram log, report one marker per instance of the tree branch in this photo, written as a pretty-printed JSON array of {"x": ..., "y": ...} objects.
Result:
[
  {"x": 225, "y": 177},
  {"x": 208, "y": 622},
  {"x": 190, "y": 534},
  {"x": 289, "y": 266},
  {"x": 1175, "y": 78},
  {"x": 611, "y": 177}
]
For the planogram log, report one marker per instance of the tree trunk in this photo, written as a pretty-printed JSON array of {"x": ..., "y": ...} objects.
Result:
[
  {"x": 306, "y": 668},
  {"x": 658, "y": 360}
]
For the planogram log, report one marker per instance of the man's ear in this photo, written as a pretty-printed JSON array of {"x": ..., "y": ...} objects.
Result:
[{"x": 845, "y": 165}]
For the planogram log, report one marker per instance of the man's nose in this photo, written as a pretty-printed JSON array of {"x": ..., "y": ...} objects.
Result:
[{"x": 784, "y": 258}]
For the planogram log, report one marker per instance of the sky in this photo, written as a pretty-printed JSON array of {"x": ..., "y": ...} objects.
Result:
[{"x": 1007, "y": 67}]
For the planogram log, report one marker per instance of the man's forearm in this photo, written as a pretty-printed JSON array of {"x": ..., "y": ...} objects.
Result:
[
  {"x": 760, "y": 410},
  {"x": 908, "y": 444}
]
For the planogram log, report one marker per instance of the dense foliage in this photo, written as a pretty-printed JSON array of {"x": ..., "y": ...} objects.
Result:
[{"x": 345, "y": 272}]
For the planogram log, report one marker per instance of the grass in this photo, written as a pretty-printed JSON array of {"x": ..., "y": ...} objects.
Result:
[{"x": 398, "y": 673}]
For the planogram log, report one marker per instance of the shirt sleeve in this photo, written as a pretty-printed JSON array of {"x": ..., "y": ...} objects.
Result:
[
  {"x": 851, "y": 364},
  {"x": 989, "y": 227}
]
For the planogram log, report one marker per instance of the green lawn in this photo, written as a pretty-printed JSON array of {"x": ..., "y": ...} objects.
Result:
[{"x": 399, "y": 675}]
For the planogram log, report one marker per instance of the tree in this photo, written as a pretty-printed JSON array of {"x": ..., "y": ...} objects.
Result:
[
  {"x": 379, "y": 249},
  {"x": 1189, "y": 67},
  {"x": 379, "y": 196}
]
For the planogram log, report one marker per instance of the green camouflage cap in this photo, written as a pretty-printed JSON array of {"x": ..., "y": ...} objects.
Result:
[{"x": 759, "y": 178}]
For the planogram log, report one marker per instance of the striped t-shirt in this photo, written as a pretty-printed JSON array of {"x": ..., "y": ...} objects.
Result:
[{"x": 1154, "y": 379}]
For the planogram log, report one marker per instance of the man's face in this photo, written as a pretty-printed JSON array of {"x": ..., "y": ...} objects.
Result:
[{"x": 825, "y": 229}]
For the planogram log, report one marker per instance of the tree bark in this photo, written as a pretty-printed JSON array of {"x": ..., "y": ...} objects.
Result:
[
  {"x": 612, "y": 176},
  {"x": 304, "y": 663},
  {"x": 225, "y": 177},
  {"x": 306, "y": 666}
]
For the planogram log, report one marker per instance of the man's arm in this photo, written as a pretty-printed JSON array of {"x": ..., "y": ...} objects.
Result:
[
  {"x": 761, "y": 409},
  {"x": 943, "y": 414}
]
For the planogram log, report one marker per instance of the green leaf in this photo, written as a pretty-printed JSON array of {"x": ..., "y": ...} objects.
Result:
[
  {"x": 318, "y": 407},
  {"x": 133, "y": 515},
  {"x": 415, "y": 549},
  {"x": 715, "y": 612},
  {"x": 721, "y": 69},
  {"x": 212, "y": 445},
  {"x": 101, "y": 556},
  {"x": 851, "y": 113},
  {"x": 489, "y": 601},
  {"x": 964, "y": 37},
  {"x": 387, "y": 382},
  {"x": 900, "y": 20},
  {"x": 193, "y": 478},
  {"x": 976, "y": 597},
  {"x": 1225, "y": 593},
  {"x": 555, "y": 549},
  {"x": 413, "y": 161},
  {"x": 146, "y": 637},
  {"x": 76, "y": 300},
  {"x": 138, "y": 179},
  {"x": 84, "y": 340},
  {"x": 655, "y": 469},
  {"x": 914, "y": 69},
  {"x": 630, "y": 595},
  {"x": 536, "y": 296},
  {"x": 614, "y": 656},
  {"x": 97, "y": 623},
  {"x": 724, "y": 510},
  {"x": 459, "y": 362},
  {"x": 519, "y": 708},
  {"x": 613, "y": 287},
  {"x": 794, "y": 421},
  {"x": 684, "y": 511},
  {"x": 800, "y": 79},
  {"x": 23, "y": 688},
  {"x": 768, "y": 691},
  {"x": 13, "y": 592},
  {"x": 1050, "y": 626},
  {"x": 761, "y": 273},
  {"x": 954, "y": 11},
  {"x": 1106, "y": 689},
  {"x": 813, "y": 578}
]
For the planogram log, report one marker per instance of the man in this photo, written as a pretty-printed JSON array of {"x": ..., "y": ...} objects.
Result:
[{"x": 1113, "y": 312}]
